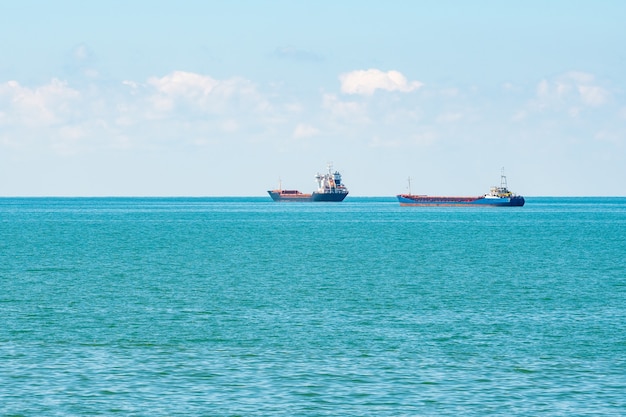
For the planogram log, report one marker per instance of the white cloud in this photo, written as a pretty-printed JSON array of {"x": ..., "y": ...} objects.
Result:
[
  {"x": 81, "y": 61},
  {"x": 571, "y": 88},
  {"x": 66, "y": 140},
  {"x": 82, "y": 53},
  {"x": 304, "y": 131},
  {"x": 508, "y": 86},
  {"x": 424, "y": 138},
  {"x": 204, "y": 93},
  {"x": 592, "y": 95},
  {"x": 611, "y": 137},
  {"x": 579, "y": 77},
  {"x": 366, "y": 82},
  {"x": 59, "y": 117},
  {"x": 132, "y": 84},
  {"x": 543, "y": 89},
  {"x": 350, "y": 110},
  {"x": 181, "y": 83},
  {"x": 46, "y": 105}
]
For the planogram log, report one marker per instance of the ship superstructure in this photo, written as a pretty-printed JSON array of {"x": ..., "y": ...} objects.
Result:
[{"x": 329, "y": 186}]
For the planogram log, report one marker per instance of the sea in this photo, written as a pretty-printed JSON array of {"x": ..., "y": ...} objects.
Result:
[{"x": 247, "y": 307}]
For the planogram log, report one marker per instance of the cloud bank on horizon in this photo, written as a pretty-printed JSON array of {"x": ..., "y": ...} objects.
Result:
[
  {"x": 64, "y": 119},
  {"x": 368, "y": 81},
  {"x": 562, "y": 133}
]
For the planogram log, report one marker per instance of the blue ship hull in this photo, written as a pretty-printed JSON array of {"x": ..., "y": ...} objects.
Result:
[
  {"x": 427, "y": 201},
  {"x": 332, "y": 197}
]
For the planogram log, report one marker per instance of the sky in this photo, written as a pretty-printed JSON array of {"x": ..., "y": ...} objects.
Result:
[{"x": 231, "y": 98}]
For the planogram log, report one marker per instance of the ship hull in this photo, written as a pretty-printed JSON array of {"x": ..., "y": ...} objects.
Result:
[
  {"x": 482, "y": 201},
  {"x": 329, "y": 197},
  {"x": 277, "y": 195}
]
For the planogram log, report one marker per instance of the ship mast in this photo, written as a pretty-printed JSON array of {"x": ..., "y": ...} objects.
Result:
[
  {"x": 503, "y": 183},
  {"x": 409, "y": 180}
]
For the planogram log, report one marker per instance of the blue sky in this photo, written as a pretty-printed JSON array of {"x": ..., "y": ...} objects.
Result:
[{"x": 208, "y": 98}]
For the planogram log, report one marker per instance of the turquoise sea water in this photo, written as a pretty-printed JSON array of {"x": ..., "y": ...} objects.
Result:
[{"x": 245, "y": 307}]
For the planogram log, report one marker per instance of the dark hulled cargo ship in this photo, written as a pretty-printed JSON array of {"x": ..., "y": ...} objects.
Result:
[
  {"x": 329, "y": 189},
  {"x": 496, "y": 197}
]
